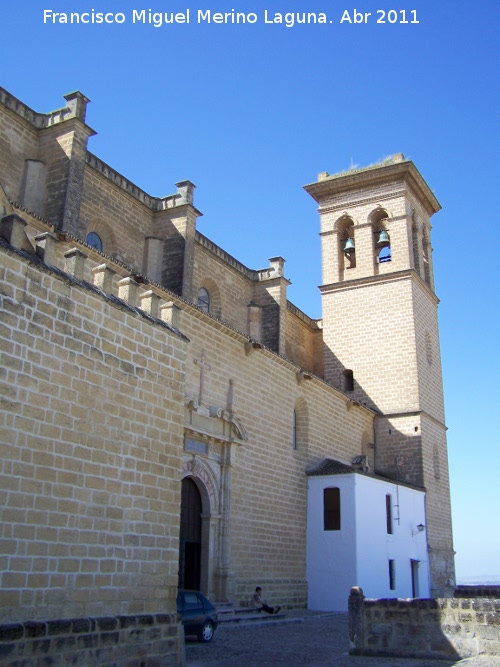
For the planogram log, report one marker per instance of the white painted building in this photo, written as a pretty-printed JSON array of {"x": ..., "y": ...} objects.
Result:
[{"x": 363, "y": 530}]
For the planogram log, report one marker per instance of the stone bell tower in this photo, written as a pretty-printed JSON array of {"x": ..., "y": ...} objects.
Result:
[{"x": 380, "y": 330}]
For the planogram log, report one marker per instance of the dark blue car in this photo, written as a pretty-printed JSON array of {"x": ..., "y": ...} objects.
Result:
[{"x": 199, "y": 616}]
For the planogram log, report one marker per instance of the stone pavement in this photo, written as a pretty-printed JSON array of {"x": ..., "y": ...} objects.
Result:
[{"x": 300, "y": 639}]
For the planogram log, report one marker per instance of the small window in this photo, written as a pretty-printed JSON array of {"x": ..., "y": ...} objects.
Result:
[
  {"x": 331, "y": 508},
  {"x": 388, "y": 512},
  {"x": 204, "y": 300},
  {"x": 94, "y": 241},
  {"x": 415, "y": 584},
  {"x": 392, "y": 575},
  {"x": 294, "y": 432},
  {"x": 348, "y": 380}
]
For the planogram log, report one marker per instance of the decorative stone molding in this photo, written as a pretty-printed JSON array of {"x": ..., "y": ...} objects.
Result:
[
  {"x": 214, "y": 421},
  {"x": 251, "y": 345},
  {"x": 302, "y": 375}
]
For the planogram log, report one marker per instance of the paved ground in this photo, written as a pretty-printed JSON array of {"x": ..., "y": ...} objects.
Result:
[{"x": 313, "y": 641}]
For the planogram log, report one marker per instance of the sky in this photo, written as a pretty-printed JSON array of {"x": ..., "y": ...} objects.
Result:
[{"x": 251, "y": 112}]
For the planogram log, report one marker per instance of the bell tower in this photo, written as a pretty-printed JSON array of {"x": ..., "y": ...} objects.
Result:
[{"x": 380, "y": 329}]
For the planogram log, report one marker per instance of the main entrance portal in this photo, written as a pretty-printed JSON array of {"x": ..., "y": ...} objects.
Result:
[{"x": 190, "y": 536}]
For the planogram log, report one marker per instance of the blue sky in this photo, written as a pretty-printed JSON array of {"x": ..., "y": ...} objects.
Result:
[{"x": 251, "y": 113}]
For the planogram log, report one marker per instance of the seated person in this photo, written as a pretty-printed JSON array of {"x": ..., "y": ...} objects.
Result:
[{"x": 261, "y": 604}]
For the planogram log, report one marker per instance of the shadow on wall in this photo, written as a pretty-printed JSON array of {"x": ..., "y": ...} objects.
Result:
[
  {"x": 446, "y": 628},
  {"x": 395, "y": 455},
  {"x": 392, "y": 627}
]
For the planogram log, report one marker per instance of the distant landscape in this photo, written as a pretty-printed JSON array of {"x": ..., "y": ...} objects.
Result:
[{"x": 480, "y": 580}]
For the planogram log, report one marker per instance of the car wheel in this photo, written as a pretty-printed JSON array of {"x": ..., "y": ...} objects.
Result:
[{"x": 207, "y": 632}]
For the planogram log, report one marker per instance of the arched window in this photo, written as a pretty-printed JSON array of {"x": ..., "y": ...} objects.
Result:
[
  {"x": 100, "y": 236},
  {"x": 94, "y": 241},
  {"x": 204, "y": 300}
]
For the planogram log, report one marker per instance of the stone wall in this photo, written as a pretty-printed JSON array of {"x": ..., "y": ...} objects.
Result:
[
  {"x": 69, "y": 294},
  {"x": 446, "y": 628},
  {"x": 18, "y": 142},
  {"x": 91, "y": 436},
  {"x": 131, "y": 641},
  {"x": 478, "y": 591},
  {"x": 304, "y": 340}
]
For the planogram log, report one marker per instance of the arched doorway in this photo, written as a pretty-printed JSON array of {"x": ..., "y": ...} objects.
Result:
[{"x": 190, "y": 536}]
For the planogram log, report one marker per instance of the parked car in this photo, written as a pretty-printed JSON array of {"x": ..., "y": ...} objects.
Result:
[{"x": 199, "y": 616}]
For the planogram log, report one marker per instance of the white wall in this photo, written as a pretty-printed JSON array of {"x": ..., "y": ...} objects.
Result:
[
  {"x": 331, "y": 554},
  {"x": 375, "y": 547},
  {"x": 359, "y": 553}
]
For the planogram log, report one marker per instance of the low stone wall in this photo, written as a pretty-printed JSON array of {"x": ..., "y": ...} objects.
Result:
[
  {"x": 128, "y": 641},
  {"x": 447, "y": 628},
  {"x": 492, "y": 592}
]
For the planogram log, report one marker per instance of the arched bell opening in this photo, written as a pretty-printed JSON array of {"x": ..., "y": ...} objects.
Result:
[
  {"x": 382, "y": 251},
  {"x": 347, "y": 246}
]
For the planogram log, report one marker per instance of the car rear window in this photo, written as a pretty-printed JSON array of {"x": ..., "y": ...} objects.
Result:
[{"x": 191, "y": 601}]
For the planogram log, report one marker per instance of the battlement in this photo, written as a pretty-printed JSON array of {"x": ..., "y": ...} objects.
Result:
[
  {"x": 76, "y": 108},
  {"x": 274, "y": 270},
  {"x": 184, "y": 194},
  {"x": 309, "y": 321}
]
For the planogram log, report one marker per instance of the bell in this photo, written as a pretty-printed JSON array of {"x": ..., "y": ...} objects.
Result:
[
  {"x": 383, "y": 239},
  {"x": 349, "y": 246}
]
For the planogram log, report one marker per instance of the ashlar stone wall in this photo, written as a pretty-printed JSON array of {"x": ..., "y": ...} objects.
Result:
[
  {"x": 91, "y": 436},
  {"x": 18, "y": 142},
  {"x": 266, "y": 497},
  {"x": 446, "y": 628}
]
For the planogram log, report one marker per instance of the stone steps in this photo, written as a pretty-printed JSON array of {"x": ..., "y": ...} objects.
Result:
[{"x": 229, "y": 614}]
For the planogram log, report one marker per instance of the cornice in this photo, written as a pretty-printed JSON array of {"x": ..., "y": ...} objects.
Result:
[
  {"x": 380, "y": 279},
  {"x": 374, "y": 176}
]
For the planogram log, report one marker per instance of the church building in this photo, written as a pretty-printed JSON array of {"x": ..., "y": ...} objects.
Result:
[{"x": 169, "y": 419}]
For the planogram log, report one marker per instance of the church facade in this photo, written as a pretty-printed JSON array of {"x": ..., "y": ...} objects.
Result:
[{"x": 170, "y": 419}]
